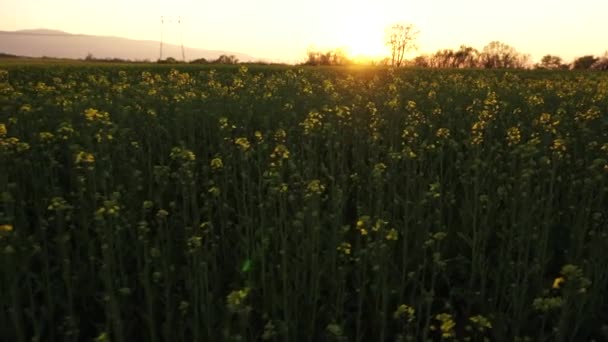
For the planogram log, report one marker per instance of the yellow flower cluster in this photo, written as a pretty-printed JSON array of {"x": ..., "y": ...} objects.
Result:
[
  {"x": 6, "y": 227},
  {"x": 477, "y": 132},
  {"x": 345, "y": 248},
  {"x": 481, "y": 322},
  {"x": 280, "y": 152},
  {"x": 361, "y": 225},
  {"x": 91, "y": 114},
  {"x": 258, "y": 136},
  {"x": 58, "y": 204},
  {"x": 14, "y": 144},
  {"x": 557, "y": 283},
  {"x": 392, "y": 235},
  {"x": 547, "y": 122},
  {"x": 280, "y": 135},
  {"x": 65, "y": 131},
  {"x": 379, "y": 170},
  {"x": 443, "y": 133},
  {"x": 84, "y": 158},
  {"x": 182, "y": 154},
  {"x": 109, "y": 209},
  {"x": 591, "y": 114},
  {"x": 216, "y": 164},
  {"x": 409, "y": 134},
  {"x": 315, "y": 187},
  {"x": 46, "y": 136},
  {"x": 242, "y": 143},
  {"x": 513, "y": 136},
  {"x": 559, "y": 147},
  {"x": 283, "y": 188},
  {"x": 224, "y": 124},
  {"x": 405, "y": 312},
  {"x": 446, "y": 325},
  {"x": 313, "y": 122},
  {"x": 236, "y": 300}
]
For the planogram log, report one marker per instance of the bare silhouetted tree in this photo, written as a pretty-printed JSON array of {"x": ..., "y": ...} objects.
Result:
[{"x": 400, "y": 38}]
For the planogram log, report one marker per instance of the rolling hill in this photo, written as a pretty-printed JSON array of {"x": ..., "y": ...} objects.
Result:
[{"x": 59, "y": 44}]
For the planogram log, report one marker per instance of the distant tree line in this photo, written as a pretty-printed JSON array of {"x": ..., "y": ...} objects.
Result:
[
  {"x": 222, "y": 59},
  {"x": 495, "y": 55},
  {"x": 499, "y": 55},
  {"x": 400, "y": 38},
  {"x": 91, "y": 58},
  {"x": 8, "y": 55}
]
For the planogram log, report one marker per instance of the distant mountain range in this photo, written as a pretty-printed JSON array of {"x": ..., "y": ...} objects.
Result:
[{"x": 59, "y": 44}]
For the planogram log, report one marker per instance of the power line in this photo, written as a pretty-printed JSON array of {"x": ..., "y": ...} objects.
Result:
[{"x": 171, "y": 20}]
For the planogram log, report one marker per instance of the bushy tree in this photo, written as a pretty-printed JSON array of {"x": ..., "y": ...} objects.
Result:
[
  {"x": 225, "y": 59},
  {"x": 422, "y": 61},
  {"x": 330, "y": 57},
  {"x": 168, "y": 60},
  {"x": 500, "y": 55},
  {"x": 584, "y": 62},
  {"x": 601, "y": 63},
  {"x": 466, "y": 57},
  {"x": 551, "y": 62},
  {"x": 199, "y": 61}
]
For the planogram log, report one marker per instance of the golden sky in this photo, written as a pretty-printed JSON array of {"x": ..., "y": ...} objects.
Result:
[{"x": 282, "y": 30}]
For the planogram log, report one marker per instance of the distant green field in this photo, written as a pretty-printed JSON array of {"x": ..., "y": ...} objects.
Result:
[{"x": 235, "y": 203}]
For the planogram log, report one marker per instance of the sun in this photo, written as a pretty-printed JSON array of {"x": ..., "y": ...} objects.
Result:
[
  {"x": 364, "y": 44},
  {"x": 361, "y": 32}
]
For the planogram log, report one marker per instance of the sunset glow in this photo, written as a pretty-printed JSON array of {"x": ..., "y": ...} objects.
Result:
[
  {"x": 361, "y": 31},
  {"x": 283, "y": 30}
]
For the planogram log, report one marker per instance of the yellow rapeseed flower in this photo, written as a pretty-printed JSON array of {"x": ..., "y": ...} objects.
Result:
[
  {"x": 405, "y": 311},
  {"x": 2, "y": 129},
  {"x": 557, "y": 283},
  {"x": 513, "y": 136},
  {"x": 447, "y": 325},
  {"x": 443, "y": 133},
  {"x": 6, "y": 227},
  {"x": 280, "y": 135},
  {"x": 217, "y": 164},
  {"x": 315, "y": 187},
  {"x": 283, "y": 188},
  {"x": 313, "y": 122},
  {"x": 242, "y": 143},
  {"x": 345, "y": 248},
  {"x": 215, "y": 191},
  {"x": 481, "y": 322},
  {"x": 280, "y": 151},
  {"x": 559, "y": 146},
  {"x": 95, "y": 115},
  {"x": 236, "y": 299},
  {"x": 84, "y": 158},
  {"x": 46, "y": 136},
  {"x": 392, "y": 235}
]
